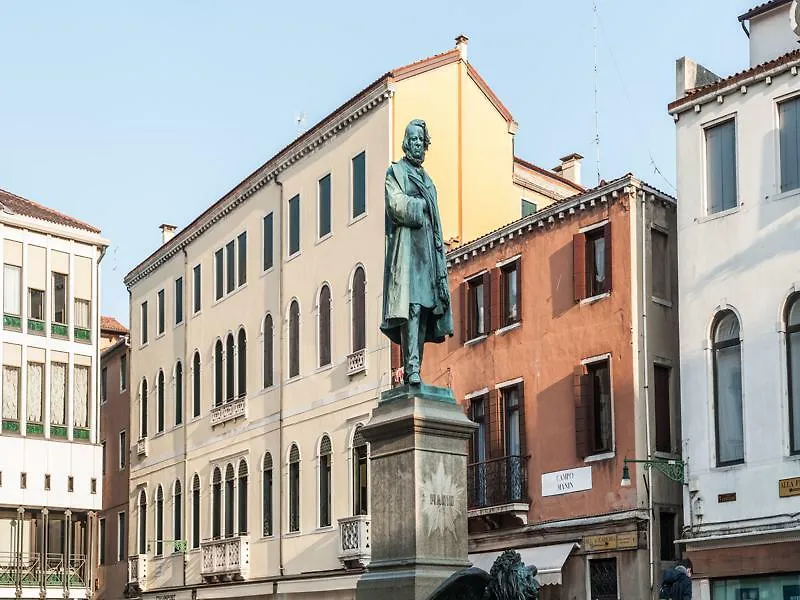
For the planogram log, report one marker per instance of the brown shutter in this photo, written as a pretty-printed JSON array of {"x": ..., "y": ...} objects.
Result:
[
  {"x": 609, "y": 261},
  {"x": 488, "y": 296},
  {"x": 463, "y": 311},
  {"x": 584, "y": 405},
  {"x": 519, "y": 289},
  {"x": 495, "y": 425},
  {"x": 579, "y": 266},
  {"x": 497, "y": 313},
  {"x": 522, "y": 435}
]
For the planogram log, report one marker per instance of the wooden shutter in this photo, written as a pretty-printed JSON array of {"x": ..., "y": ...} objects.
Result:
[
  {"x": 584, "y": 413},
  {"x": 522, "y": 444},
  {"x": 463, "y": 311},
  {"x": 579, "y": 266},
  {"x": 496, "y": 315},
  {"x": 487, "y": 301},
  {"x": 519, "y": 290},
  {"x": 609, "y": 262}
]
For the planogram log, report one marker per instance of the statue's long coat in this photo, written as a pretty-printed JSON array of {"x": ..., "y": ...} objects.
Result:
[{"x": 407, "y": 192}]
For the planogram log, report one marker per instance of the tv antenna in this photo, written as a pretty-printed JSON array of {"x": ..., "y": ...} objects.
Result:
[
  {"x": 596, "y": 105},
  {"x": 300, "y": 119}
]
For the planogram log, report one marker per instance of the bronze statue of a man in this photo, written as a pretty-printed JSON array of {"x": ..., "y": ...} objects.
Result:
[{"x": 416, "y": 297}]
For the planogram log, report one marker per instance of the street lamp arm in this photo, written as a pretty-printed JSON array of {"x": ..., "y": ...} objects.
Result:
[{"x": 672, "y": 469}]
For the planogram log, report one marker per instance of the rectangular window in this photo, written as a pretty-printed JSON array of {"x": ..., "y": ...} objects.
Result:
[
  {"x": 23, "y": 481},
  {"x": 161, "y": 316},
  {"x": 661, "y": 264},
  {"x": 268, "y": 242},
  {"x": 601, "y": 387},
  {"x": 230, "y": 265},
  {"x": 35, "y": 304},
  {"x": 663, "y": 410},
  {"x": 93, "y": 485},
  {"x": 104, "y": 385},
  {"x": 35, "y": 399},
  {"x": 219, "y": 275},
  {"x": 510, "y": 293},
  {"x": 11, "y": 392},
  {"x": 12, "y": 290},
  {"x": 591, "y": 261},
  {"x": 123, "y": 372},
  {"x": 789, "y": 118},
  {"x": 478, "y": 300},
  {"x": 603, "y": 579},
  {"x": 122, "y": 538},
  {"x": 241, "y": 243},
  {"x": 58, "y": 399},
  {"x": 721, "y": 167},
  {"x": 766, "y": 587},
  {"x": 82, "y": 314},
  {"x": 103, "y": 447},
  {"x": 123, "y": 449},
  {"x": 294, "y": 225},
  {"x": 196, "y": 289},
  {"x": 70, "y": 483},
  {"x": 324, "y": 186},
  {"x": 359, "y": 184},
  {"x": 179, "y": 300},
  {"x": 143, "y": 313},
  {"x": 667, "y": 534},
  {"x": 59, "y": 298},
  {"x": 528, "y": 207},
  {"x": 596, "y": 280},
  {"x": 101, "y": 542},
  {"x": 47, "y": 482}
]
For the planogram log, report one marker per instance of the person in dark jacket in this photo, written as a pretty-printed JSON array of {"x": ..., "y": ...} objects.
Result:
[{"x": 679, "y": 581}]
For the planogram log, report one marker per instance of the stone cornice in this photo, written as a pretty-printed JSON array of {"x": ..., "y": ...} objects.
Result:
[{"x": 320, "y": 135}]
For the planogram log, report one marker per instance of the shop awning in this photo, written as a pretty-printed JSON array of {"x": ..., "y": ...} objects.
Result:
[{"x": 548, "y": 560}]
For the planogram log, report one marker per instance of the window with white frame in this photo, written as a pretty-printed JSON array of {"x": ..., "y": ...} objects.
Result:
[
  {"x": 324, "y": 468},
  {"x": 197, "y": 289},
  {"x": 294, "y": 489},
  {"x": 266, "y": 495},
  {"x": 721, "y": 192},
  {"x": 160, "y": 312},
  {"x": 179, "y": 301},
  {"x": 12, "y": 290},
  {"x": 359, "y": 184},
  {"x": 792, "y": 319},
  {"x": 789, "y": 134},
  {"x": 727, "y": 373}
]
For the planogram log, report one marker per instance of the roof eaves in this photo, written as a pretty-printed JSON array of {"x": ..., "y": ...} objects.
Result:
[
  {"x": 489, "y": 93},
  {"x": 8, "y": 199},
  {"x": 547, "y": 173},
  {"x": 761, "y": 9},
  {"x": 426, "y": 64}
]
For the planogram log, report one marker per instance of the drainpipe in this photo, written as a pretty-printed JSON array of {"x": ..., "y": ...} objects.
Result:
[
  {"x": 280, "y": 375},
  {"x": 646, "y": 388},
  {"x": 186, "y": 489}
]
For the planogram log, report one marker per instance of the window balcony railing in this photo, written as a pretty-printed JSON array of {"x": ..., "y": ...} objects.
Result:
[
  {"x": 36, "y": 570},
  {"x": 35, "y": 326},
  {"x": 59, "y": 329},
  {"x": 82, "y": 334},
  {"x": 354, "y": 541},
  {"x": 12, "y": 322},
  {"x": 225, "y": 559},
  {"x": 499, "y": 482},
  {"x": 137, "y": 571},
  {"x": 357, "y": 362},
  {"x": 231, "y": 410},
  {"x": 142, "y": 447}
]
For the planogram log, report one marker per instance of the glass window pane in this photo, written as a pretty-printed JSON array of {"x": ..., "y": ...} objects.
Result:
[
  {"x": 325, "y": 206},
  {"x": 219, "y": 278},
  {"x": 730, "y": 425},
  {"x": 161, "y": 314},
  {"x": 789, "y": 144},
  {"x": 294, "y": 225},
  {"x": 359, "y": 184},
  {"x": 59, "y": 298},
  {"x": 721, "y": 166},
  {"x": 793, "y": 344},
  {"x": 230, "y": 265},
  {"x": 242, "y": 246},
  {"x": 196, "y": 272},
  {"x": 179, "y": 300},
  {"x": 268, "y": 242},
  {"x": 727, "y": 328},
  {"x": 12, "y": 280}
]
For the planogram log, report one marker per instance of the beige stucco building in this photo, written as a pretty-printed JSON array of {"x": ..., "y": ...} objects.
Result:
[{"x": 255, "y": 350}]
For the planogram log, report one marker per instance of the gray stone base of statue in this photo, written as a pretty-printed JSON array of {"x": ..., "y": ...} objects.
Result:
[{"x": 418, "y": 494}]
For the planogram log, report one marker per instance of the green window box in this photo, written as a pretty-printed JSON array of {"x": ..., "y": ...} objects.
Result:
[
  {"x": 35, "y": 428},
  {"x": 12, "y": 322},
  {"x": 58, "y": 431},
  {"x": 79, "y": 433},
  {"x": 35, "y": 326},
  {"x": 10, "y": 426},
  {"x": 59, "y": 329},
  {"x": 83, "y": 335}
]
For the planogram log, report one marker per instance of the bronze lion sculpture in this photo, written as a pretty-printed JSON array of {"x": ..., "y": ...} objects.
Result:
[{"x": 509, "y": 579}]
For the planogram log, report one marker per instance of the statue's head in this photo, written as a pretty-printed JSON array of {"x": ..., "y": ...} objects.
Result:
[
  {"x": 510, "y": 579},
  {"x": 416, "y": 141}
]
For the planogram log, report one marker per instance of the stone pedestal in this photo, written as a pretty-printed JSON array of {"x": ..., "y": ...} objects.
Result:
[{"x": 418, "y": 494}]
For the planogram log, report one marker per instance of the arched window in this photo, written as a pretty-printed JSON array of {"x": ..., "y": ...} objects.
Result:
[
  {"x": 294, "y": 488},
  {"x": 727, "y": 359},
  {"x": 360, "y": 474},
  {"x": 229, "y": 500},
  {"x": 196, "y": 385},
  {"x": 142, "y": 522},
  {"x": 159, "y": 521},
  {"x": 179, "y": 393},
  {"x": 160, "y": 402},
  {"x": 230, "y": 371},
  {"x": 143, "y": 408},
  {"x": 266, "y": 495},
  {"x": 324, "y": 326},
  {"x": 216, "y": 504},
  {"x": 359, "y": 302},
  {"x": 792, "y": 317},
  {"x": 241, "y": 350},
  {"x": 218, "y": 373},
  {"x": 242, "y": 485},
  {"x": 177, "y": 511},
  {"x": 268, "y": 334},
  {"x": 325, "y": 482},
  {"x": 294, "y": 339},
  {"x": 196, "y": 511}
]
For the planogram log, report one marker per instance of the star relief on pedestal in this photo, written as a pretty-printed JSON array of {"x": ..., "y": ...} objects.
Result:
[{"x": 441, "y": 501}]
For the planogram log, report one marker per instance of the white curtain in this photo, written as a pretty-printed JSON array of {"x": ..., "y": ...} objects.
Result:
[
  {"x": 12, "y": 293},
  {"x": 81, "y": 397},
  {"x": 10, "y": 393},
  {"x": 35, "y": 392},
  {"x": 58, "y": 392},
  {"x": 82, "y": 313},
  {"x": 729, "y": 405}
]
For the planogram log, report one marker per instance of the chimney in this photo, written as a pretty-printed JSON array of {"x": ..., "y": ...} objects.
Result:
[
  {"x": 690, "y": 75},
  {"x": 167, "y": 232},
  {"x": 570, "y": 167},
  {"x": 461, "y": 46}
]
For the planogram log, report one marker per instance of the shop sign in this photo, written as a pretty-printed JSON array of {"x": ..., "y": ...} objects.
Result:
[
  {"x": 628, "y": 540},
  {"x": 789, "y": 487},
  {"x": 566, "y": 482}
]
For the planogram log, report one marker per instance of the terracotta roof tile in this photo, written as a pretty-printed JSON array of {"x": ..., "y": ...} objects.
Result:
[
  {"x": 547, "y": 173},
  {"x": 762, "y": 8},
  {"x": 22, "y": 206},
  {"x": 740, "y": 76},
  {"x": 111, "y": 324}
]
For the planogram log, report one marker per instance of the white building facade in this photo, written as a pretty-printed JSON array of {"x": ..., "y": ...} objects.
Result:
[
  {"x": 51, "y": 475},
  {"x": 738, "y": 149}
]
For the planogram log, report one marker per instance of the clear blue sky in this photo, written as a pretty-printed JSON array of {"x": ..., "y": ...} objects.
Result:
[{"x": 131, "y": 114}]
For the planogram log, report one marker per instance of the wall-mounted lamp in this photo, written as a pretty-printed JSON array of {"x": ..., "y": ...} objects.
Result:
[{"x": 672, "y": 469}]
